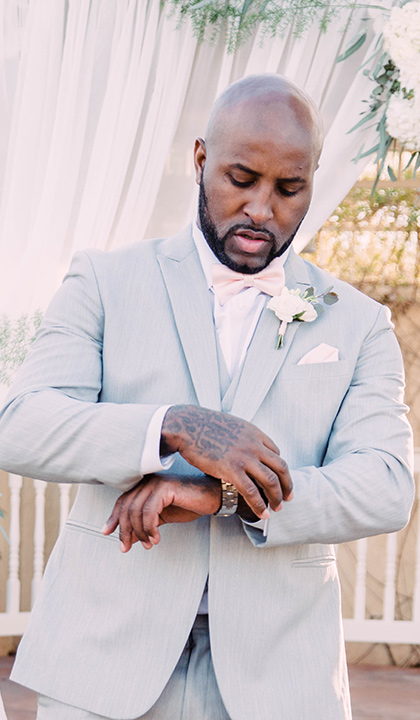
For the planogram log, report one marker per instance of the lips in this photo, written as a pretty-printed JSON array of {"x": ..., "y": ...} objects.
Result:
[{"x": 250, "y": 241}]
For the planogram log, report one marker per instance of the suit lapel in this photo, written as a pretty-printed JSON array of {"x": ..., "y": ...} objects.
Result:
[
  {"x": 263, "y": 362},
  {"x": 191, "y": 305}
]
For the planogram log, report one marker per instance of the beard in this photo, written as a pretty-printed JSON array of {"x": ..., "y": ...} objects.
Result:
[{"x": 217, "y": 244}]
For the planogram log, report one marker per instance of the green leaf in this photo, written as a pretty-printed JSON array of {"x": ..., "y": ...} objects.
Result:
[
  {"x": 328, "y": 290},
  {"x": 413, "y": 155},
  {"x": 308, "y": 291},
  {"x": 417, "y": 165},
  {"x": 359, "y": 153},
  {"x": 379, "y": 64},
  {"x": 391, "y": 173},
  {"x": 365, "y": 118},
  {"x": 247, "y": 5},
  {"x": 331, "y": 298},
  {"x": 369, "y": 60},
  {"x": 201, "y": 4},
  {"x": 318, "y": 307},
  {"x": 356, "y": 43},
  {"x": 1, "y": 513},
  {"x": 382, "y": 137},
  {"x": 382, "y": 79},
  {"x": 366, "y": 153}
]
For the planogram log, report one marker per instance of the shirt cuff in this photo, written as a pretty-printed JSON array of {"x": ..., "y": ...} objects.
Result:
[
  {"x": 258, "y": 525},
  {"x": 151, "y": 461}
]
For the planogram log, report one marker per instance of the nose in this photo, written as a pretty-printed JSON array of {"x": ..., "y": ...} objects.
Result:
[{"x": 259, "y": 207}]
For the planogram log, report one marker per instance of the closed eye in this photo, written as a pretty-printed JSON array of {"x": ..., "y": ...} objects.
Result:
[
  {"x": 288, "y": 193},
  {"x": 239, "y": 183}
]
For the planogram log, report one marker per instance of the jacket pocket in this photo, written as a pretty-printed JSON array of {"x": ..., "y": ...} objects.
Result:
[
  {"x": 78, "y": 526},
  {"x": 316, "y": 370},
  {"x": 318, "y": 561}
]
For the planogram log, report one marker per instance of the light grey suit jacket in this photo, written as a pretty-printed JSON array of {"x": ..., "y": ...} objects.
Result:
[{"x": 129, "y": 331}]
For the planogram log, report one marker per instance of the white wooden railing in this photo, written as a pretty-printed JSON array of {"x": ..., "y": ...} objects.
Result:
[
  {"x": 358, "y": 628},
  {"x": 13, "y": 620},
  {"x": 387, "y": 629}
]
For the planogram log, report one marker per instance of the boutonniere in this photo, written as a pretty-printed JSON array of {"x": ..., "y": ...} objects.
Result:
[{"x": 301, "y": 305}]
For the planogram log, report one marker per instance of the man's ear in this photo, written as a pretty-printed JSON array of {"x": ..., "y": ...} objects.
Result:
[{"x": 200, "y": 155}]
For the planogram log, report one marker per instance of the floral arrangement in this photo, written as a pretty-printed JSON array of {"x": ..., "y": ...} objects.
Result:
[
  {"x": 402, "y": 41},
  {"x": 236, "y": 20},
  {"x": 395, "y": 101},
  {"x": 301, "y": 305}
]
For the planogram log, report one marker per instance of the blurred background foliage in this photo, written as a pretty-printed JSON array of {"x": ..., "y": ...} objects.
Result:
[{"x": 372, "y": 238}]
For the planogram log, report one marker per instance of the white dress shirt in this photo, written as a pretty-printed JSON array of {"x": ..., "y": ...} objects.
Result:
[{"x": 235, "y": 324}]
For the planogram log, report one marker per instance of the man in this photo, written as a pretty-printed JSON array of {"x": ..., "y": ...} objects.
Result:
[{"x": 147, "y": 365}]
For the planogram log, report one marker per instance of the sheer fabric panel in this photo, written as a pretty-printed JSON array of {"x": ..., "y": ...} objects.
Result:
[{"x": 102, "y": 102}]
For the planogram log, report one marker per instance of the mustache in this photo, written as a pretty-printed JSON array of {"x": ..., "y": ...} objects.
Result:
[{"x": 240, "y": 227}]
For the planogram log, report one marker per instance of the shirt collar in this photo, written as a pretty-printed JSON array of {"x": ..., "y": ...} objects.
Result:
[{"x": 207, "y": 256}]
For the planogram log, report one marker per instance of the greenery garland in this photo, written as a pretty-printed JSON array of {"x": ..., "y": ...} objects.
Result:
[{"x": 238, "y": 19}]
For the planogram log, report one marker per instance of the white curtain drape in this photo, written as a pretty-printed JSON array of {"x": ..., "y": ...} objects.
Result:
[{"x": 100, "y": 103}]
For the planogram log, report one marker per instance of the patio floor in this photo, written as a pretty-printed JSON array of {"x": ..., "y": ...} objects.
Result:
[{"x": 378, "y": 693}]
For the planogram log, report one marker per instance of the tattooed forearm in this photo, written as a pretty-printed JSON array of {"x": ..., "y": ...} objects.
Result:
[{"x": 210, "y": 432}]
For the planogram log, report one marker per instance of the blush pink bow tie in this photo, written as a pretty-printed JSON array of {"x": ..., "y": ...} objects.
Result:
[{"x": 227, "y": 282}]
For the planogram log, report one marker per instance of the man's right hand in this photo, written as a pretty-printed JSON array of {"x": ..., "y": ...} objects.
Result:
[{"x": 229, "y": 448}]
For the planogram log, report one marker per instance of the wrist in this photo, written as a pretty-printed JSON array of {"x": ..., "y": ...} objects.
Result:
[{"x": 170, "y": 436}]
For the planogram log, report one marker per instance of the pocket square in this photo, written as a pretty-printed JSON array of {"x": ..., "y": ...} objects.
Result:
[{"x": 321, "y": 354}]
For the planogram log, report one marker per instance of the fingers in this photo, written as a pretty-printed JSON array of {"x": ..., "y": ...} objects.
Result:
[
  {"x": 270, "y": 444},
  {"x": 131, "y": 520},
  {"x": 269, "y": 472},
  {"x": 146, "y": 521},
  {"x": 127, "y": 513},
  {"x": 113, "y": 520},
  {"x": 249, "y": 491},
  {"x": 274, "y": 477},
  {"x": 137, "y": 512},
  {"x": 158, "y": 500}
]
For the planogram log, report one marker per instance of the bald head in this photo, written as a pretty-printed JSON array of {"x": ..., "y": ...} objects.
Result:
[{"x": 255, "y": 99}]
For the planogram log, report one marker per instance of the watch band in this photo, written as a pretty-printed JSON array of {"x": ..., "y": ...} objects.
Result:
[{"x": 229, "y": 500}]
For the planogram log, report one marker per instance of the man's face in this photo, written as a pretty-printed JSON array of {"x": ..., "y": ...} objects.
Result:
[{"x": 255, "y": 187}]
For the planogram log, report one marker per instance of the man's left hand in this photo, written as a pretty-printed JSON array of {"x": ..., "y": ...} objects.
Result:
[{"x": 160, "y": 499}]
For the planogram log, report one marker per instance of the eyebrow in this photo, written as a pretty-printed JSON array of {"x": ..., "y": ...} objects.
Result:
[{"x": 239, "y": 166}]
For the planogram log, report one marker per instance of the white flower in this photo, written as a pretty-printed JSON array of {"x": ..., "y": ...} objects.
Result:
[
  {"x": 289, "y": 304},
  {"x": 402, "y": 40},
  {"x": 300, "y": 305},
  {"x": 403, "y": 120}
]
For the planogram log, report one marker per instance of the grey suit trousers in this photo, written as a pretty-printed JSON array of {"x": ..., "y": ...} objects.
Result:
[{"x": 191, "y": 693}]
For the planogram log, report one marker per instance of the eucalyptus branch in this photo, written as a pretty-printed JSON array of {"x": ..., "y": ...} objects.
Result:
[{"x": 236, "y": 20}]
